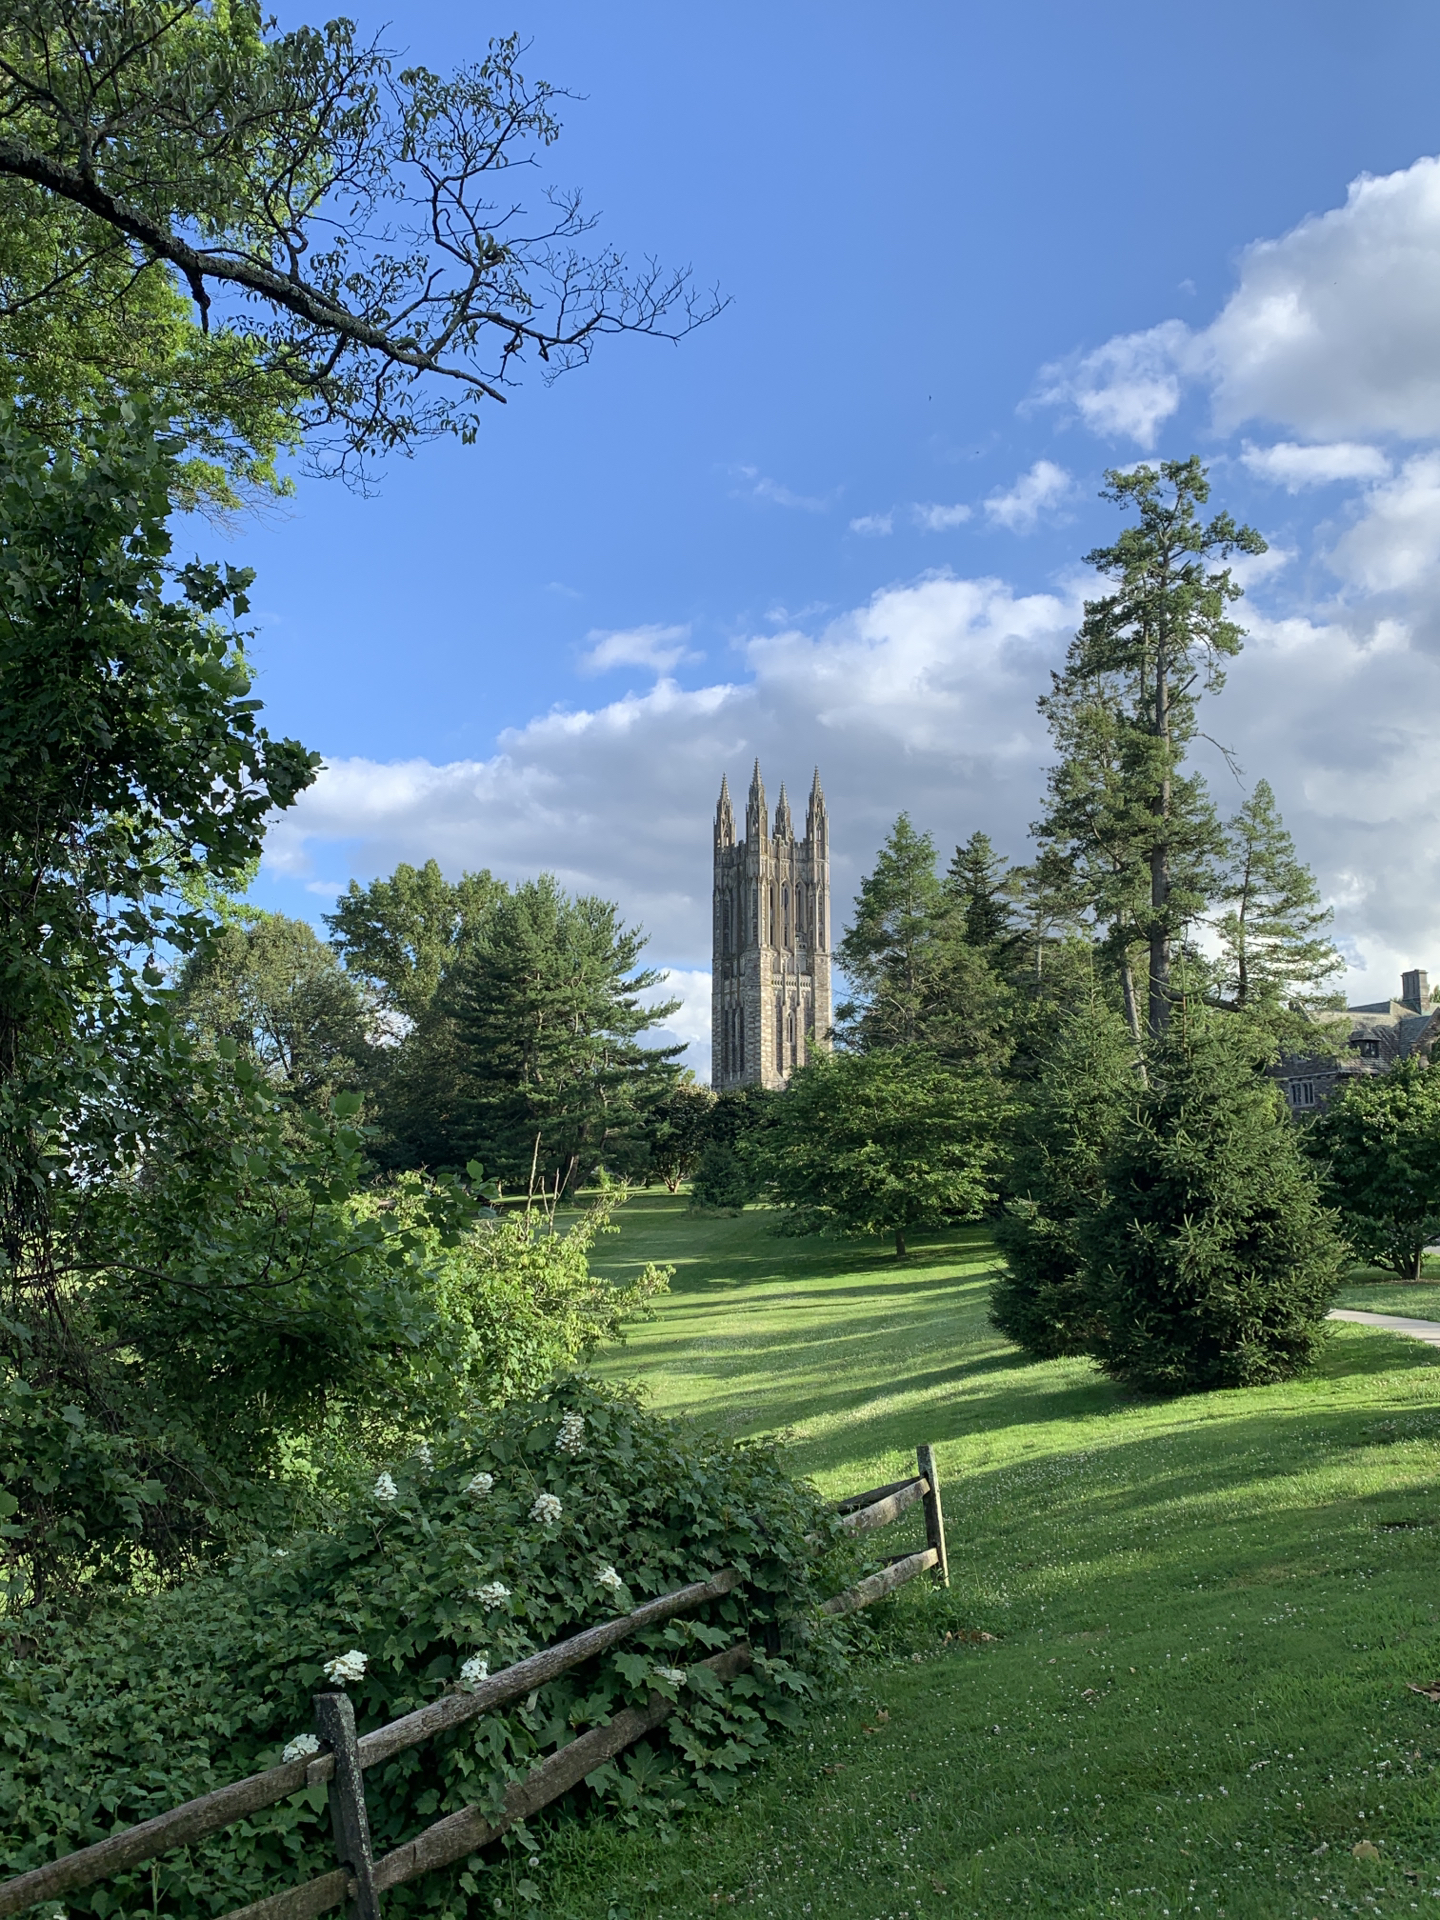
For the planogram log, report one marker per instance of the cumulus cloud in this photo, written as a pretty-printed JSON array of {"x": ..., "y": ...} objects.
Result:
[
  {"x": 1336, "y": 712},
  {"x": 689, "y": 1025},
  {"x": 936, "y": 519},
  {"x": 1295, "y": 467},
  {"x": 922, "y": 698},
  {"x": 1395, "y": 545},
  {"x": 1126, "y": 389},
  {"x": 659, "y": 647},
  {"x": 873, "y": 523},
  {"x": 1034, "y": 493},
  {"x": 1333, "y": 331}
]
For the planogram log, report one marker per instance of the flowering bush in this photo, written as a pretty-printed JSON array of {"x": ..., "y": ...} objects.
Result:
[{"x": 158, "y": 1699}]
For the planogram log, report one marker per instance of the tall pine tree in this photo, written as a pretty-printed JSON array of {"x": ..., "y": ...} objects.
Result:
[
  {"x": 1124, "y": 714},
  {"x": 1274, "y": 946}
]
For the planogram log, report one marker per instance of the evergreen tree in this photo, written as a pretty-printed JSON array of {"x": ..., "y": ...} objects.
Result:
[
  {"x": 888, "y": 951},
  {"x": 1211, "y": 1261},
  {"x": 547, "y": 1008},
  {"x": 1124, "y": 713},
  {"x": 1379, "y": 1144},
  {"x": 1274, "y": 948},
  {"x": 919, "y": 982},
  {"x": 985, "y": 889},
  {"x": 1086, "y": 1089}
]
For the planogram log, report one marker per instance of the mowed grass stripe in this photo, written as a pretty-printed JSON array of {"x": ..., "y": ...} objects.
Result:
[{"x": 1205, "y": 1614}]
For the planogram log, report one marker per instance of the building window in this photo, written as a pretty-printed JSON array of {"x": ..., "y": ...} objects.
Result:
[
  {"x": 740, "y": 1038},
  {"x": 725, "y": 924},
  {"x": 1369, "y": 1049},
  {"x": 1302, "y": 1093},
  {"x": 785, "y": 908},
  {"x": 779, "y": 1034}
]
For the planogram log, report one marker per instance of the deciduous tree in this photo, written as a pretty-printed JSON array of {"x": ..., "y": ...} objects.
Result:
[
  {"x": 1378, "y": 1142},
  {"x": 276, "y": 233},
  {"x": 882, "y": 1142}
]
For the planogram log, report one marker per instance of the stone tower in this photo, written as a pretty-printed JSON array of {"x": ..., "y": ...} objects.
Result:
[{"x": 770, "y": 998}]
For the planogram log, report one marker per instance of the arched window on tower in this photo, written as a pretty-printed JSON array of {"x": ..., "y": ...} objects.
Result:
[
  {"x": 794, "y": 1055},
  {"x": 779, "y": 1034},
  {"x": 785, "y": 911},
  {"x": 740, "y": 1039},
  {"x": 725, "y": 924}
]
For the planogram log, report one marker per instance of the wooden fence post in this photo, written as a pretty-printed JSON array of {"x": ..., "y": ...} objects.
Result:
[
  {"x": 335, "y": 1723},
  {"x": 934, "y": 1512}
]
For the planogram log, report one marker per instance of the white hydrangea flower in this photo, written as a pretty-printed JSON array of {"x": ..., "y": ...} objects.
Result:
[
  {"x": 547, "y": 1509},
  {"x": 479, "y": 1485},
  {"x": 475, "y": 1669},
  {"x": 425, "y": 1456},
  {"x": 571, "y": 1437},
  {"x": 346, "y": 1667},
  {"x": 280, "y": 1553},
  {"x": 673, "y": 1676},
  {"x": 608, "y": 1577},
  {"x": 301, "y": 1747},
  {"x": 494, "y": 1593},
  {"x": 385, "y": 1488}
]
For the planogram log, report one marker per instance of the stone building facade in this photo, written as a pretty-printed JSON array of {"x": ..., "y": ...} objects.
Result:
[
  {"x": 1380, "y": 1033},
  {"x": 770, "y": 997}
]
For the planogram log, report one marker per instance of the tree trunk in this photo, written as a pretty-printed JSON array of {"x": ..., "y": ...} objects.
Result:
[
  {"x": 1132, "y": 1014},
  {"x": 1159, "y": 1007},
  {"x": 899, "y": 1243}
]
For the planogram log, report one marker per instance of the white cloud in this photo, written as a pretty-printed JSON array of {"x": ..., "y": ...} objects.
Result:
[
  {"x": 1044, "y": 486},
  {"x": 659, "y": 647},
  {"x": 1396, "y": 545},
  {"x": 1335, "y": 327},
  {"x": 1294, "y": 467},
  {"x": 940, "y": 519},
  {"x": 873, "y": 523},
  {"x": 760, "y": 487},
  {"x": 689, "y": 1025},
  {"x": 1332, "y": 332},
  {"x": 923, "y": 698},
  {"x": 1126, "y": 389}
]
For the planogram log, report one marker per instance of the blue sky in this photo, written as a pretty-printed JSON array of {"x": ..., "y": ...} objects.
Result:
[{"x": 974, "y": 255}]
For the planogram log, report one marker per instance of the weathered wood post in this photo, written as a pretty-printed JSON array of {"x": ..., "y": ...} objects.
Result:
[
  {"x": 934, "y": 1512},
  {"x": 335, "y": 1724}
]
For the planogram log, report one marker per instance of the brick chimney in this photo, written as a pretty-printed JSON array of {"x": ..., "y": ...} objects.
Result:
[{"x": 1415, "y": 990}]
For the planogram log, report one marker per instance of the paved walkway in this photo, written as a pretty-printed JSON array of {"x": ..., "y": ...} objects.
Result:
[{"x": 1426, "y": 1330}]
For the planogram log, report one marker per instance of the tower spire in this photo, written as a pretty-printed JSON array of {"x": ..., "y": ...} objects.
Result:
[
  {"x": 757, "y": 814},
  {"x": 783, "y": 823},
  {"x": 724, "y": 817}
]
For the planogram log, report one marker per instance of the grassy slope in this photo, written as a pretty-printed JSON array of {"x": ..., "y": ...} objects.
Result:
[{"x": 1205, "y": 1613}]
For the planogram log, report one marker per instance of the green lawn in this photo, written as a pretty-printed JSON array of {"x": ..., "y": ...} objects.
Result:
[{"x": 1205, "y": 1613}]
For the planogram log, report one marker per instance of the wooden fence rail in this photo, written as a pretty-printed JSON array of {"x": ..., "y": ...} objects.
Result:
[{"x": 359, "y": 1881}]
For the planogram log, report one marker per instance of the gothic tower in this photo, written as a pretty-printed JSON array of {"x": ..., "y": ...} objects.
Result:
[{"x": 770, "y": 998}]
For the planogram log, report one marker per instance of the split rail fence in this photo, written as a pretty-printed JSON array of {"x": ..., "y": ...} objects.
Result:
[{"x": 359, "y": 1880}]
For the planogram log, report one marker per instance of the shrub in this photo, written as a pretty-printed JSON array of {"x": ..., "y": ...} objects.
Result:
[
  {"x": 1379, "y": 1144},
  {"x": 1211, "y": 1262},
  {"x": 722, "y": 1182},
  {"x": 1087, "y": 1087},
  {"x": 160, "y": 1698}
]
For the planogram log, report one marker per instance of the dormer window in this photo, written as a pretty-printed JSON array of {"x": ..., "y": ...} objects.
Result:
[{"x": 1370, "y": 1049}]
